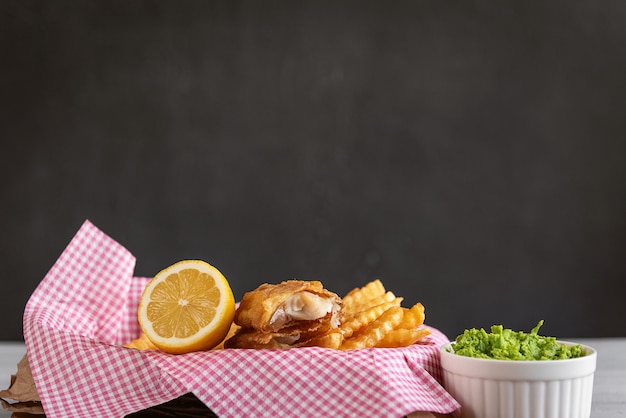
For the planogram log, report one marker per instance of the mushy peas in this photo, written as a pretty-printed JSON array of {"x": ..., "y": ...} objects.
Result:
[{"x": 506, "y": 344}]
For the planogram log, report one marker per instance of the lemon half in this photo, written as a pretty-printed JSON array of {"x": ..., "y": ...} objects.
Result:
[{"x": 188, "y": 306}]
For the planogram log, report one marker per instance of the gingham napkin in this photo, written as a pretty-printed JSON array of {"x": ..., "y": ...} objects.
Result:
[{"x": 85, "y": 308}]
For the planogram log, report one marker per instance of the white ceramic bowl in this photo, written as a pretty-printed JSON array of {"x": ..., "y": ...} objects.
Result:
[{"x": 488, "y": 388}]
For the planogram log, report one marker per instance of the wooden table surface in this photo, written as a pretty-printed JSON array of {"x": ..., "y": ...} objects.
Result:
[{"x": 609, "y": 391}]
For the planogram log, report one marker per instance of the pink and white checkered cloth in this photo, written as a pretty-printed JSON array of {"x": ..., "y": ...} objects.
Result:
[{"x": 85, "y": 308}]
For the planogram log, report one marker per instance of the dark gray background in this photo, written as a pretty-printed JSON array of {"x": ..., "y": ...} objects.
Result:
[{"x": 469, "y": 154}]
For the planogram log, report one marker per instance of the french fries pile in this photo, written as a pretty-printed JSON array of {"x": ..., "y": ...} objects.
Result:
[{"x": 373, "y": 317}]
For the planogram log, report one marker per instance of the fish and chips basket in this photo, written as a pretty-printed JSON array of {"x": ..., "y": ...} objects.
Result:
[{"x": 85, "y": 309}]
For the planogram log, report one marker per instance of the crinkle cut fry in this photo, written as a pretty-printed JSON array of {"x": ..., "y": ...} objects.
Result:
[
  {"x": 375, "y": 332},
  {"x": 370, "y": 303},
  {"x": 402, "y": 337},
  {"x": 141, "y": 343},
  {"x": 407, "y": 332},
  {"x": 360, "y": 296},
  {"x": 413, "y": 317},
  {"x": 362, "y": 318},
  {"x": 332, "y": 339}
]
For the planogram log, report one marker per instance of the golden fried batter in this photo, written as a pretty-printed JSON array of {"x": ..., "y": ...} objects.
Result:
[{"x": 272, "y": 307}]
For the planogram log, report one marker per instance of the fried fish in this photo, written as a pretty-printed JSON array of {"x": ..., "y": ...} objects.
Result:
[
  {"x": 272, "y": 307},
  {"x": 293, "y": 313}
]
